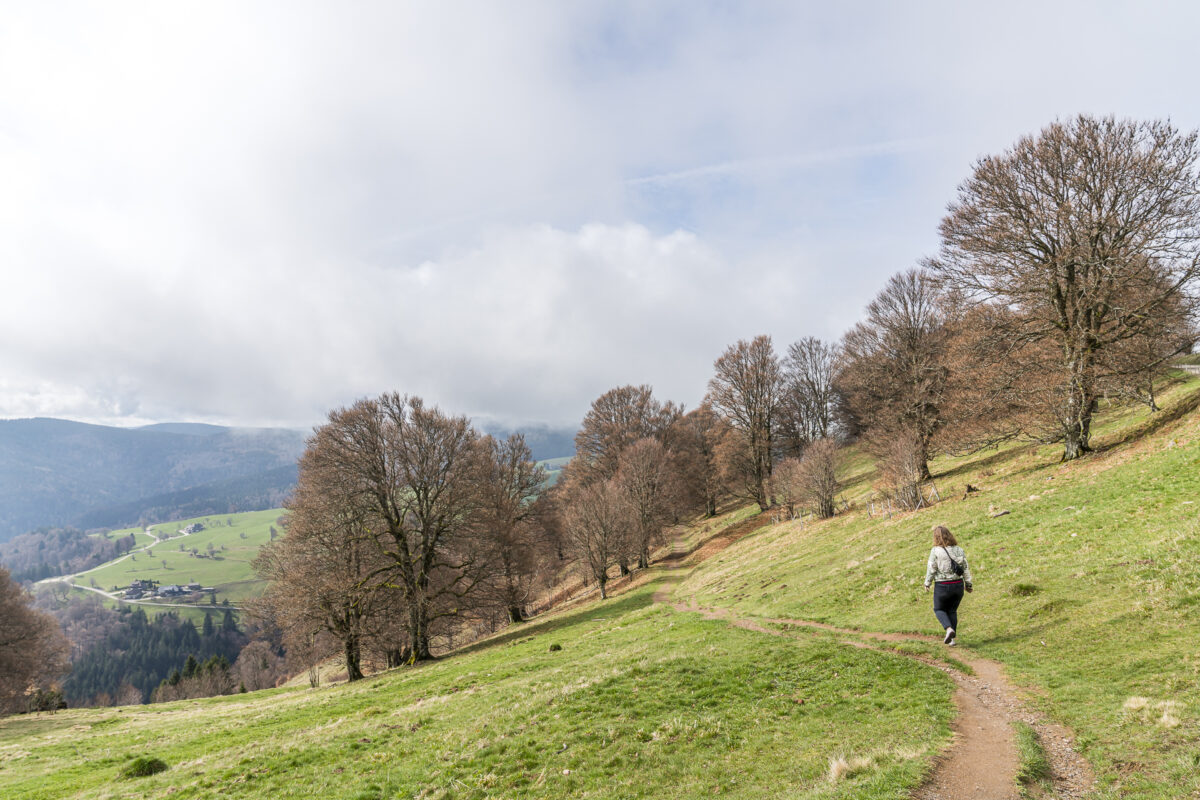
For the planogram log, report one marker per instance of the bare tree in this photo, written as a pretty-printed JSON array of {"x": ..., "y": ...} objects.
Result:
[
  {"x": 510, "y": 523},
  {"x": 647, "y": 477},
  {"x": 417, "y": 472},
  {"x": 901, "y": 473},
  {"x": 318, "y": 570},
  {"x": 807, "y": 397},
  {"x": 617, "y": 419},
  {"x": 33, "y": 650},
  {"x": 1086, "y": 231},
  {"x": 259, "y": 666},
  {"x": 1132, "y": 366},
  {"x": 787, "y": 486},
  {"x": 597, "y": 522},
  {"x": 695, "y": 439},
  {"x": 817, "y": 477},
  {"x": 745, "y": 391},
  {"x": 893, "y": 372}
]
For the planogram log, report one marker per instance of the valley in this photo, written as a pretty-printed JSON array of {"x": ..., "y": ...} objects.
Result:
[{"x": 1085, "y": 599}]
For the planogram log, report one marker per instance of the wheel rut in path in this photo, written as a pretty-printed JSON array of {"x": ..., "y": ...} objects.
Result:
[{"x": 982, "y": 761}]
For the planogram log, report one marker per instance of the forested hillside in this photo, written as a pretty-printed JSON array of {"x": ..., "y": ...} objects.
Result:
[
  {"x": 50, "y": 552},
  {"x": 58, "y": 473}
]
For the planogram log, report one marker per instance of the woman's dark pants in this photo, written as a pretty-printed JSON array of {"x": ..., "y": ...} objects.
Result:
[{"x": 946, "y": 597}]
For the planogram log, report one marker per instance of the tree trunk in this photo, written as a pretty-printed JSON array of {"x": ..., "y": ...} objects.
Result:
[
  {"x": 353, "y": 658},
  {"x": 1078, "y": 432},
  {"x": 395, "y": 657},
  {"x": 1081, "y": 403},
  {"x": 623, "y": 565},
  {"x": 603, "y": 581},
  {"x": 418, "y": 626},
  {"x": 514, "y": 614}
]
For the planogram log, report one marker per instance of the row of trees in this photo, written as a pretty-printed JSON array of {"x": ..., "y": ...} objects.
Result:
[{"x": 1065, "y": 275}]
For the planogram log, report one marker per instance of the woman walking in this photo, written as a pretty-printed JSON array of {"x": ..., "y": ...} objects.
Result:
[{"x": 950, "y": 574}]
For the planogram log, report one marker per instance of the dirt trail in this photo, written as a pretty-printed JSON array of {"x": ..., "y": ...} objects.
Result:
[{"x": 982, "y": 762}]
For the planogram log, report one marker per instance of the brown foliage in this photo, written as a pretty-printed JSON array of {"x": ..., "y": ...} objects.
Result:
[
  {"x": 597, "y": 523},
  {"x": 1084, "y": 235},
  {"x": 647, "y": 476},
  {"x": 695, "y": 436},
  {"x": 902, "y": 470},
  {"x": 810, "y": 481},
  {"x": 511, "y": 527},
  {"x": 617, "y": 419},
  {"x": 33, "y": 650}
]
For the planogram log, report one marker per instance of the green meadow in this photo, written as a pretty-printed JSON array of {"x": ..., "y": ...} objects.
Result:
[
  {"x": 235, "y": 540},
  {"x": 637, "y": 700},
  {"x": 1088, "y": 590}
]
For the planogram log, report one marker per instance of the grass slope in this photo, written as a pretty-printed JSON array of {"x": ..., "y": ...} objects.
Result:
[
  {"x": 236, "y": 539},
  {"x": 640, "y": 701},
  {"x": 1089, "y": 590}
]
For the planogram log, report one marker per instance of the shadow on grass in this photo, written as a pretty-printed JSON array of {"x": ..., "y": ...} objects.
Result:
[
  {"x": 635, "y": 600},
  {"x": 20, "y": 726},
  {"x": 1158, "y": 420},
  {"x": 1004, "y": 454}
]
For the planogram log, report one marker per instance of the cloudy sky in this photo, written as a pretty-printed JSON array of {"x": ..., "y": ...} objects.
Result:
[{"x": 251, "y": 213}]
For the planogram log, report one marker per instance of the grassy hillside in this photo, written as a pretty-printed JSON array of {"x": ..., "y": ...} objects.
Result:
[
  {"x": 236, "y": 539},
  {"x": 1088, "y": 590},
  {"x": 640, "y": 701},
  {"x": 554, "y": 468}
]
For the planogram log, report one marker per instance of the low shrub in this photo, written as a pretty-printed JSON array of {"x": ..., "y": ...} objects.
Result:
[{"x": 142, "y": 766}]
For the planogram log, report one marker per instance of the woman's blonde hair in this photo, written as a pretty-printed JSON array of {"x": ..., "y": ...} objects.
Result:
[{"x": 942, "y": 537}]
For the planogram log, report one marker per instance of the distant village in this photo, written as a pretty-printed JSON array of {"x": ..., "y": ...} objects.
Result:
[{"x": 140, "y": 589}]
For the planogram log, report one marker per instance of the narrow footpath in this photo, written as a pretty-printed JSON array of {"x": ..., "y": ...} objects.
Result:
[{"x": 982, "y": 762}]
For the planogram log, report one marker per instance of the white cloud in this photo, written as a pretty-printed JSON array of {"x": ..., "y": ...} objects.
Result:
[
  {"x": 250, "y": 212},
  {"x": 528, "y": 326}
]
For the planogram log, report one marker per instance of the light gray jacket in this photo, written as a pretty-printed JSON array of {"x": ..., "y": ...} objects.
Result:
[{"x": 939, "y": 568}]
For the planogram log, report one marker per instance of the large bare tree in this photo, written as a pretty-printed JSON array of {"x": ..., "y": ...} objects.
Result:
[
  {"x": 695, "y": 437},
  {"x": 810, "y": 480},
  {"x": 647, "y": 476},
  {"x": 1086, "y": 232},
  {"x": 745, "y": 390},
  {"x": 418, "y": 472},
  {"x": 319, "y": 570},
  {"x": 893, "y": 372}
]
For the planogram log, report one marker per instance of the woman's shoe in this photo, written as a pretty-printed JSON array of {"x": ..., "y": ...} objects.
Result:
[
  {"x": 953, "y": 642},
  {"x": 949, "y": 636}
]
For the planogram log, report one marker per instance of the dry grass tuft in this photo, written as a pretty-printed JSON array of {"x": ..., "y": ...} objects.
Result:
[
  {"x": 841, "y": 768},
  {"x": 1136, "y": 703},
  {"x": 1170, "y": 717}
]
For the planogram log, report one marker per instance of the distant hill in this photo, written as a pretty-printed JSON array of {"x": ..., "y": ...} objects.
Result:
[
  {"x": 544, "y": 442},
  {"x": 56, "y": 472}
]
